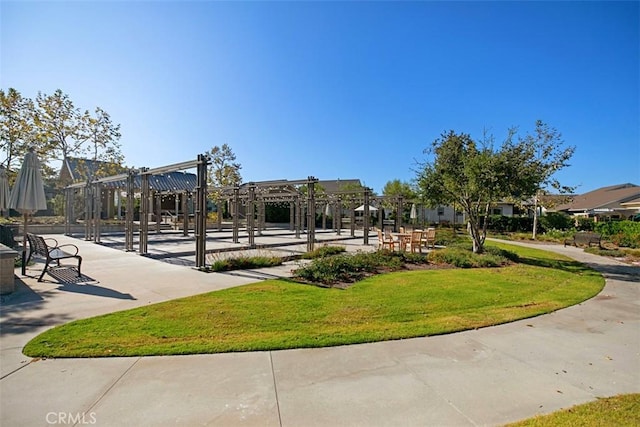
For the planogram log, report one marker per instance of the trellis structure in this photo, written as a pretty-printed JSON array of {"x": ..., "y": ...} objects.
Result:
[{"x": 302, "y": 196}]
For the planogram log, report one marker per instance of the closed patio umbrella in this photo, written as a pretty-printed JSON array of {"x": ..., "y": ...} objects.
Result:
[
  {"x": 413, "y": 215},
  {"x": 27, "y": 195},
  {"x": 4, "y": 191}
]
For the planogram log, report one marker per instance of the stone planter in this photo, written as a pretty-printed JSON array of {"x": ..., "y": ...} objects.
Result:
[{"x": 7, "y": 278}]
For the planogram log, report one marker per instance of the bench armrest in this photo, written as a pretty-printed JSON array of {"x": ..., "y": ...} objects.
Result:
[
  {"x": 67, "y": 245},
  {"x": 55, "y": 242}
]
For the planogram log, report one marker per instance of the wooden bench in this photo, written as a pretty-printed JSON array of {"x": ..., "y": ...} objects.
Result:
[
  {"x": 584, "y": 238},
  {"x": 51, "y": 251}
]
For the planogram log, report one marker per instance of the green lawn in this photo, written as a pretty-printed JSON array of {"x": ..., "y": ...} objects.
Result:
[
  {"x": 617, "y": 411},
  {"x": 280, "y": 314}
]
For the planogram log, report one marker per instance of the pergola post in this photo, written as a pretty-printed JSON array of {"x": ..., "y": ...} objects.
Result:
[
  {"x": 251, "y": 215},
  {"x": 185, "y": 213},
  {"x": 260, "y": 217},
  {"x": 158, "y": 210},
  {"x": 399, "y": 209},
  {"x": 298, "y": 216},
  {"x": 219, "y": 213},
  {"x": 97, "y": 211},
  {"x": 68, "y": 210},
  {"x": 338, "y": 215},
  {"x": 380, "y": 215},
  {"x": 353, "y": 217},
  {"x": 144, "y": 211},
  {"x": 235, "y": 214},
  {"x": 366, "y": 219},
  {"x": 292, "y": 218},
  {"x": 311, "y": 213},
  {"x": 128, "y": 222},
  {"x": 201, "y": 210},
  {"x": 88, "y": 213}
]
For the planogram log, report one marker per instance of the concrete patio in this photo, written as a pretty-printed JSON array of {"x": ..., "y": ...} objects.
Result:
[{"x": 483, "y": 377}]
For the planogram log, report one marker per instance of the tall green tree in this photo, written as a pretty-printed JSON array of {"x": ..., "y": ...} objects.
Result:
[
  {"x": 101, "y": 139},
  {"x": 59, "y": 125},
  {"x": 396, "y": 187},
  {"x": 476, "y": 175},
  {"x": 224, "y": 170},
  {"x": 549, "y": 154},
  {"x": 16, "y": 129}
]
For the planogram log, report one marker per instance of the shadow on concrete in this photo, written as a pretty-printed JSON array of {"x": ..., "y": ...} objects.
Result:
[
  {"x": 20, "y": 311},
  {"x": 22, "y": 295},
  {"x": 70, "y": 281},
  {"x": 626, "y": 273}
]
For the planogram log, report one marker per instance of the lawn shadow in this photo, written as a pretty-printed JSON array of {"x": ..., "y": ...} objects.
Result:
[{"x": 571, "y": 266}]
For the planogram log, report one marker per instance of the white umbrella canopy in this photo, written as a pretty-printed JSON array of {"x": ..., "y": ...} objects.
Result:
[
  {"x": 27, "y": 195},
  {"x": 4, "y": 190},
  {"x": 361, "y": 208}
]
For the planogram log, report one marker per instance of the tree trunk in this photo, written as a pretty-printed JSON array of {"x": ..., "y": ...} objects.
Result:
[{"x": 535, "y": 215}]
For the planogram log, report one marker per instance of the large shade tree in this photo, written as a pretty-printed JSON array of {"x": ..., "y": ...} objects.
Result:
[
  {"x": 16, "y": 129},
  {"x": 475, "y": 175},
  {"x": 57, "y": 130}
]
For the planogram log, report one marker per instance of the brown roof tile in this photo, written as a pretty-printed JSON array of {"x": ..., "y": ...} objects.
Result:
[{"x": 605, "y": 197}]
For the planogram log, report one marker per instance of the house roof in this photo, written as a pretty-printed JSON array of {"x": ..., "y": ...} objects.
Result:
[
  {"x": 336, "y": 185},
  {"x": 79, "y": 169},
  {"x": 605, "y": 198},
  {"x": 631, "y": 204}
]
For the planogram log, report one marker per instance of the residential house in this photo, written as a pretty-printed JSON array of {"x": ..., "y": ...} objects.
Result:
[{"x": 620, "y": 201}]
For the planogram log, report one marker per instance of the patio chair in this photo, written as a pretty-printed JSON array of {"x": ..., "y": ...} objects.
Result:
[
  {"x": 385, "y": 241},
  {"x": 416, "y": 241},
  {"x": 429, "y": 238}
]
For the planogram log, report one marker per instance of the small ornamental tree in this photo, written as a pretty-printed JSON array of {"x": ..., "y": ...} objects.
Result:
[
  {"x": 476, "y": 175},
  {"x": 223, "y": 172}
]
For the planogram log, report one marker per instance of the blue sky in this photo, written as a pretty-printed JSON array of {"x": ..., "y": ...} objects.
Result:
[{"x": 338, "y": 89}]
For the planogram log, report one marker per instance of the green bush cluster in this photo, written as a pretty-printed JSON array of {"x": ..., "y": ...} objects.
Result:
[
  {"x": 449, "y": 236},
  {"x": 242, "y": 263},
  {"x": 555, "y": 221},
  {"x": 510, "y": 224},
  {"x": 462, "y": 257},
  {"x": 621, "y": 233},
  {"x": 348, "y": 268},
  {"x": 324, "y": 251}
]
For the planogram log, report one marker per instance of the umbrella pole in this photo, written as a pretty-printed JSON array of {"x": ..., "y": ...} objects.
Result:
[{"x": 24, "y": 247}]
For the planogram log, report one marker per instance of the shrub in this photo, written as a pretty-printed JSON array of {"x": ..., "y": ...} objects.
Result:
[
  {"x": 555, "y": 221},
  {"x": 584, "y": 224},
  {"x": 463, "y": 257},
  {"x": 348, "y": 268},
  {"x": 501, "y": 223},
  {"x": 324, "y": 251},
  {"x": 449, "y": 236},
  {"x": 244, "y": 262},
  {"x": 621, "y": 233}
]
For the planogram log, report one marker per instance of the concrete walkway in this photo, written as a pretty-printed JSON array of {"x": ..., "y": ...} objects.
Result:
[{"x": 484, "y": 377}]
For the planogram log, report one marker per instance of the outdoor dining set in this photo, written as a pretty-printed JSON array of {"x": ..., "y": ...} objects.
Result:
[{"x": 407, "y": 240}]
